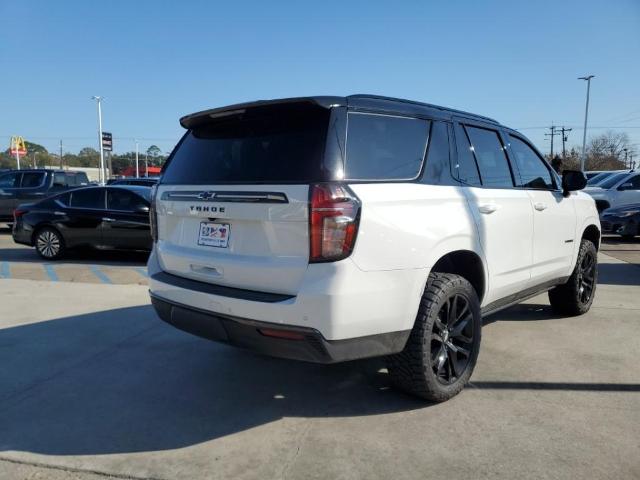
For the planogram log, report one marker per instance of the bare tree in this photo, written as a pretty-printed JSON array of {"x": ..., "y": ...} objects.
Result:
[{"x": 606, "y": 151}]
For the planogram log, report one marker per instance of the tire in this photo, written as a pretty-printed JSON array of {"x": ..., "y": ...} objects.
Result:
[
  {"x": 429, "y": 367},
  {"x": 576, "y": 296},
  {"x": 49, "y": 243}
]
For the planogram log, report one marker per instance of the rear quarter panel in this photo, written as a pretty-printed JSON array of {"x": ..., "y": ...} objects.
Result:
[{"x": 409, "y": 225}]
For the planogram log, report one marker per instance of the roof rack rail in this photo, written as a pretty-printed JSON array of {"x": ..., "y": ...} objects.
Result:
[{"x": 413, "y": 102}]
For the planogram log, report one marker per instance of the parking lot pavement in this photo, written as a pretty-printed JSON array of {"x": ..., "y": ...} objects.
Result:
[
  {"x": 627, "y": 250},
  {"x": 101, "y": 387},
  {"x": 88, "y": 266}
]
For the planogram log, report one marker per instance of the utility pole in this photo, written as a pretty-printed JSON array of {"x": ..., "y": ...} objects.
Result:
[
  {"x": 565, "y": 137},
  {"x": 61, "y": 161},
  {"x": 103, "y": 177},
  {"x": 137, "y": 167},
  {"x": 553, "y": 133},
  {"x": 586, "y": 115}
]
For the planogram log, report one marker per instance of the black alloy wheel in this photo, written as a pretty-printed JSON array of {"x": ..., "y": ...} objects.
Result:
[
  {"x": 586, "y": 277},
  {"x": 452, "y": 339}
]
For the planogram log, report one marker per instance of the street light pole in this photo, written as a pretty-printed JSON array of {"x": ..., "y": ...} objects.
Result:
[
  {"x": 103, "y": 176},
  {"x": 137, "y": 167},
  {"x": 586, "y": 115}
]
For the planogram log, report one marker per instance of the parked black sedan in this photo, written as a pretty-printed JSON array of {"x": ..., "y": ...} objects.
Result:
[
  {"x": 623, "y": 220},
  {"x": 101, "y": 217}
]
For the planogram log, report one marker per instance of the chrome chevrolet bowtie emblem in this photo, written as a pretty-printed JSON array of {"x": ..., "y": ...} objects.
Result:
[{"x": 206, "y": 195}]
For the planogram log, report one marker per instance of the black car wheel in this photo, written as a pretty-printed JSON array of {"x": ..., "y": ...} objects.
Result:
[
  {"x": 576, "y": 296},
  {"x": 442, "y": 350},
  {"x": 49, "y": 243}
]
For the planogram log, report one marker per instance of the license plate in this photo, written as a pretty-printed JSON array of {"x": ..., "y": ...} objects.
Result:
[{"x": 214, "y": 234}]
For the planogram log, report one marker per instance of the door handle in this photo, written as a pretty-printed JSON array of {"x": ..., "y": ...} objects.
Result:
[
  {"x": 59, "y": 213},
  {"x": 540, "y": 206},
  {"x": 107, "y": 219},
  {"x": 488, "y": 208}
]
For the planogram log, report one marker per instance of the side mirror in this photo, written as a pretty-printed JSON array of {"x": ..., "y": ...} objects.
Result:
[
  {"x": 572, "y": 180},
  {"x": 141, "y": 209}
]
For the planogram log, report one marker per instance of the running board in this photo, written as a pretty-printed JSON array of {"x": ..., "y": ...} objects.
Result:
[{"x": 519, "y": 297}]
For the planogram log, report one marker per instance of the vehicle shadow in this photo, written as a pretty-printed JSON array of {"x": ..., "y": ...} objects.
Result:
[
  {"x": 21, "y": 254},
  {"x": 123, "y": 381}
]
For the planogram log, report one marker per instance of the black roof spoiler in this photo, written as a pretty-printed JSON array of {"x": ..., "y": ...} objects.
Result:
[{"x": 194, "y": 119}]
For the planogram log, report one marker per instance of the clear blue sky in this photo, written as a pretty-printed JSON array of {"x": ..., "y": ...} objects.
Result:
[{"x": 154, "y": 61}]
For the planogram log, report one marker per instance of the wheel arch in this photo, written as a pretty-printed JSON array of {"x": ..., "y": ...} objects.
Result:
[
  {"x": 466, "y": 263},
  {"x": 592, "y": 233}
]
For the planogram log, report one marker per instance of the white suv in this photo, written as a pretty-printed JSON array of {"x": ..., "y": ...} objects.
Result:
[{"x": 328, "y": 229}]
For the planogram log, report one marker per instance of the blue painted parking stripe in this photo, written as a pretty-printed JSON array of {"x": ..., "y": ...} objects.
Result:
[
  {"x": 5, "y": 270},
  {"x": 51, "y": 273},
  {"x": 142, "y": 271},
  {"x": 101, "y": 275}
]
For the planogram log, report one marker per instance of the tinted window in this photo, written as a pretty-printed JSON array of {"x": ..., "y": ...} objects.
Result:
[
  {"x": 32, "y": 179},
  {"x": 282, "y": 145},
  {"x": 533, "y": 172},
  {"x": 634, "y": 181},
  {"x": 9, "y": 180},
  {"x": 465, "y": 169},
  {"x": 613, "y": 180},
  {"x": 490, "y": 156},
  {"x": 120, "y": 199},
  {"x": 59, "y": 179},
  {"x": 88, "y": 198},
  {"x": 437, "y": 169},
  {"x": 77, "y": 178},
  {"x": 381, "y": 147}
]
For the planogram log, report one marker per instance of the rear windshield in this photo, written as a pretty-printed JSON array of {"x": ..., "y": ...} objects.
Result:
[{"x": 259, "y": 146}]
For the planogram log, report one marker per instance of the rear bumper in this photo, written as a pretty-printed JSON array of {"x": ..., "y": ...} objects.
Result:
[
  {"x": 21, "y": 235},
  {"x": 308, "y": 345}
]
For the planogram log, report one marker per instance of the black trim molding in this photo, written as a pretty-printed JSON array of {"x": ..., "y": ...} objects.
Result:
[{"x": 231, "y": 292}]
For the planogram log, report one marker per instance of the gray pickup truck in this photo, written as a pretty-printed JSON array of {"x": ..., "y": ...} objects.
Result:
[{"x": 24, "y": 186}]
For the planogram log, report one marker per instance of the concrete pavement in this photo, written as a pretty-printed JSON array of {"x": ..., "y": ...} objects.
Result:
[{"x": 92, "y": 385}]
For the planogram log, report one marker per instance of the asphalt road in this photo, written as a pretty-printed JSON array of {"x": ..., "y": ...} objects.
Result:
[{"x": 94, "y": 386}]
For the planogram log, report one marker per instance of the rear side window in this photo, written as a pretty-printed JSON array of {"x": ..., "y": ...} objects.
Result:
[
  {"x": 89, "y": 198},
  {"x": 532, "y": 169},
  {"x": 382, "y": 147},
  {"x": 32, "y": 179},
  {"x": 9, "y": 180},
  {"x": 79, "y": 178},
  {"x": 490, "y": 157},
  {"x": 465, "y": 169},
  {"x": 121, "y": 199},
  {"x": 284, "y": 144},
  {"x": 437, "y": 169},
  {"x": 59, "y": 179}
]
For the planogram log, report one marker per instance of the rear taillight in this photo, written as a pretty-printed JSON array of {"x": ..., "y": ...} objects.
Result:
[
  {"x": 17, "y": 213},
  {"x": 333, "y": 222},
  {"x": 153, "y": 215}
]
